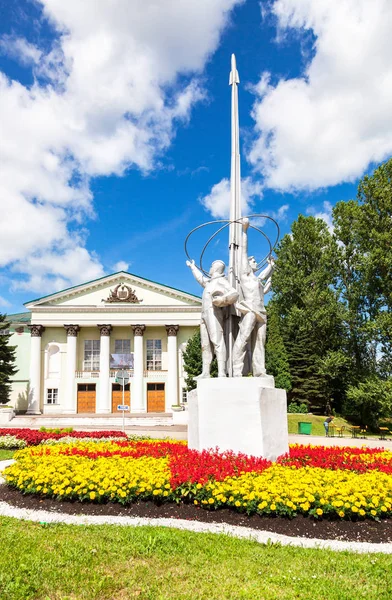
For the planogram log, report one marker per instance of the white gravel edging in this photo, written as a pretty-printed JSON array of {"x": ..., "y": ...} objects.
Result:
[{"x": 262, "y": 537}]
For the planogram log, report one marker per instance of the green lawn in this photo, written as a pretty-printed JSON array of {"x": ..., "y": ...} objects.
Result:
[
  {"x": 317, "y": 423},
  {"x": 61, "y": 562},
  {"x": 6, "y": 454}
]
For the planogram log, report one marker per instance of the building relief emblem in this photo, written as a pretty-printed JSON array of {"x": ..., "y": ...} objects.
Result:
[{"x": 123, "y": 293}]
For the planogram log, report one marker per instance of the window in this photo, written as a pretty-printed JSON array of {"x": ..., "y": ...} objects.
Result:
[
  {"x": 122, "y": 346},
  {"x": 184, "y": 395},
  {"x": 91, "y": 355},
  {"x": 5, "y": 331},
  {"x": 154, "y": 355},
  {"x": 52, "y": 395}
]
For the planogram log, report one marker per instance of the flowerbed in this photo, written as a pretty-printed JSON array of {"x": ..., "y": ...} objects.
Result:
[
  {"x": 32, "y": 437},
  {"x": 343, "y": 483}
]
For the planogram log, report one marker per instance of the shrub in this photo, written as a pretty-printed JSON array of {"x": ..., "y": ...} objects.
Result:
[{"x": 293, "y": 407}]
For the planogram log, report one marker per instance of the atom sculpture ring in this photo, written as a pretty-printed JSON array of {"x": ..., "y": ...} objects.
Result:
[{"x": 227, "y": 223}]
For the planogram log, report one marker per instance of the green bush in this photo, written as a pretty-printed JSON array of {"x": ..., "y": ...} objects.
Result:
[{"x": 293, "y": 407}]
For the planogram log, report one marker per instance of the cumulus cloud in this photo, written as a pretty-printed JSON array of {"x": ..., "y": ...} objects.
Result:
[
  {"x": 4, "y": 302},
  {"x": 121, "y": 265},
  {"x": 217, "y": 202},
  {"x": 325, "y": 214},
  {"x": 107, "y": 96},
  {"x": 330, "y": 124}
]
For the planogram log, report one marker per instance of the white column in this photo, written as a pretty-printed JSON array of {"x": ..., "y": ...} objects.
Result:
[
  {"x": 70, "y": 379},
  {"x": 137, "y": 394},
  {"x": 103, "y": 405},
  {"x": 34, "y": 398},
  {"x": 171, "y": 395}
]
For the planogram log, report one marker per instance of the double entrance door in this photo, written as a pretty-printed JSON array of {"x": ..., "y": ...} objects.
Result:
[
  {"x": 117, "y": 397},
  {"x": 87, "y": 397},
  {"x": 155, "y": 397}
]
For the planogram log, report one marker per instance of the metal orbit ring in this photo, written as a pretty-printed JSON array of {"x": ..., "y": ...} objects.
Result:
[{"x": 226, "y": 224}]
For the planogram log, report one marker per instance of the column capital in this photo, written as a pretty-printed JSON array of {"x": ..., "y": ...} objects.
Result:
[
  {"x": 172, "y": 330},
  {"x": 36, "y": 330},
  {"x": 105, "y": 329},
  {"x": 72, "y": 330},
  {"x": 138, "y": 329}
]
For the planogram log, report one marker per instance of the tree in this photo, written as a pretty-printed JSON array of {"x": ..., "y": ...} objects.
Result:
[
  {"x": 7, "y": 361},
  {"x": 307, "y": 307},
  {"x": 193, "y": 364},
  {"x": 363, "y": 232},
  {"x": 369, "y": 401},
  {"x": 277, "y": 362}
]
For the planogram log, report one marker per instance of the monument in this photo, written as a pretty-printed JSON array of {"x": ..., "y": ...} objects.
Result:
[{"x": 240, "y": 410}]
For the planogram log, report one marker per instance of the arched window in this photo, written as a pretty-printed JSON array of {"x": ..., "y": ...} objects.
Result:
[{"x": 54, "y": 358}]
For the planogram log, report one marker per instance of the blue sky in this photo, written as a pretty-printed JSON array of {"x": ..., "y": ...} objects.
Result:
[{"x": 116, "y": 126}]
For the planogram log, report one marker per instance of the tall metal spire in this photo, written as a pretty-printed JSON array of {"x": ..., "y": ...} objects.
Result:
[
  {"x": 235, "y": 210},
  {"x": 235, "y": 178}
]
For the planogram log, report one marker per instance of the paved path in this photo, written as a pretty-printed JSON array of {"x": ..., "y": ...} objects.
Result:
[{"x": 318, "y": 440}]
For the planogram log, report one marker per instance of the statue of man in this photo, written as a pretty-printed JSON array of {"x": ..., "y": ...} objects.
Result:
[
  {"x": 217, "y": 293},
  {"x": 253, "y": 323}
]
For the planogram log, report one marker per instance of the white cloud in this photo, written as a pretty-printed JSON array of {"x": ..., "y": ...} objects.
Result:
[
  {"x": 217, "y": 202},
  {"x": 325, "y": 214},
  {"x": 20, "y": 49},
  {"x": 329, "y": 125},
  {"x": 4, "y": 302},
  {"x": 121, "y": 265},
  {"x": 106, "y": 97}
]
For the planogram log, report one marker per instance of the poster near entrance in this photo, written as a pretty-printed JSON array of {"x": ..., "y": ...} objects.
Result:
[
  {"x": 86, "y": 397},
  {"x": 117, "y": 396},
  {"x": 155, "y": 397}
]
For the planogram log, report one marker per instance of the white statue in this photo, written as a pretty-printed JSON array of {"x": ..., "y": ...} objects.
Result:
[
  {"x": 253, "y": 324},
  {"x": 217, "y": 294}
]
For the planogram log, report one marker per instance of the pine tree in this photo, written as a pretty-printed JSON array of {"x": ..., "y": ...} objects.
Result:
[
  {"x": 7, "y": 361},
  {"x": 277, "y": 363},
  {"x": 308, "y": 385},
  {"x": 193, "y": 363}
]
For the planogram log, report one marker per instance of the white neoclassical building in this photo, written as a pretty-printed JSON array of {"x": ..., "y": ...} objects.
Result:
[{"x": 71, "y": 344}]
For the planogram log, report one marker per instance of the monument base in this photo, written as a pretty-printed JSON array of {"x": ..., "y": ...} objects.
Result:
[{"x": 242, "y": 414}]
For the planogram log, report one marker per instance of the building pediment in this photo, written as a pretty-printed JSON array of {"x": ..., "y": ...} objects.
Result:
[{"x": 119, "y": 289}]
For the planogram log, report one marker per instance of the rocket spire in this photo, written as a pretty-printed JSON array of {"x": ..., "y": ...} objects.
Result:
[{"x": 235, "y": 178}]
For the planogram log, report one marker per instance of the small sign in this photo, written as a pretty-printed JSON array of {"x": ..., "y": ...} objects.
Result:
[
  {"x": 122, "y": 377},
  {"x": 122, "y": 407}
]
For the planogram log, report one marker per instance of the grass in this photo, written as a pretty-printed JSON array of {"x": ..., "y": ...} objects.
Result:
[
  {"x": 317, "y": 423},
  {"x": 63, "y": 562},
  {"x": 6, "y": 454}
]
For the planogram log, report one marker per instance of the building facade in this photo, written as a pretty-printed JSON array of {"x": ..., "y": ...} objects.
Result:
[{"x": 71, "y": 345}]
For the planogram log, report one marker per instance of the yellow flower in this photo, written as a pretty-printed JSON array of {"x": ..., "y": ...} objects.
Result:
[{"x": 319, "y": 511}]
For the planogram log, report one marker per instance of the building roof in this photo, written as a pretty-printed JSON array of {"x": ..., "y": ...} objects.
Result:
[
  {"x": 19, "y": 318},
  {"x": 111, "y": 275}
]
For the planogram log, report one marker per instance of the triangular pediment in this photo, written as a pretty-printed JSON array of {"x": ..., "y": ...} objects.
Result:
[{"x": 117, "y": 290}]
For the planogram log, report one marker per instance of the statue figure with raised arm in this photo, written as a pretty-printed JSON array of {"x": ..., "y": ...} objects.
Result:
[
  {"x": 253, "y": 323},
  {"x": 217, "y": 294}
]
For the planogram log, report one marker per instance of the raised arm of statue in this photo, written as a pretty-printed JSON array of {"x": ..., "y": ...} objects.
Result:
[
  {"x": 267, "y": 285},
  {"x": 197, "y": 274},
  {"x": 245, "y": 268},
  {"x": 268, "y": 270}
]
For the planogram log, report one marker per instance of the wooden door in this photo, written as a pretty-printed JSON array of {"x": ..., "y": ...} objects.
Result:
[
  {"x": 155, "y": 397},
  {"x": 86, "y": 397},
  {"x": 117, "y": 397}
]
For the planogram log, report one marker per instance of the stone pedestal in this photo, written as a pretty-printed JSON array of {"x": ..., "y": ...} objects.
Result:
[{"x": 243, "y": 414}]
